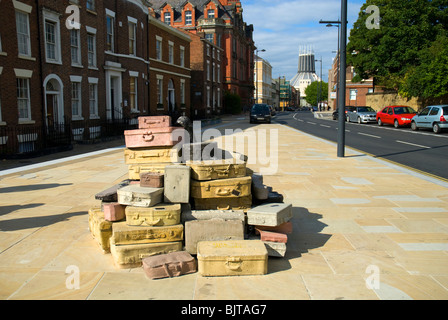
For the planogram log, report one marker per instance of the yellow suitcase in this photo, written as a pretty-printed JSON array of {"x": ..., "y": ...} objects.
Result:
[
  {"x": 241, "y": 203},
  {"x": 222, "y": 188},
  {"x": 131, "y": 256},
  {"x": 164, "y": 214},
  {"x": 232, "y": 258},
  {"x": 100, "y": 228},
  {"x": 124, "y": 234},
  {"x": 151, "y": 155},
  {"x": 214, "y": 169}
]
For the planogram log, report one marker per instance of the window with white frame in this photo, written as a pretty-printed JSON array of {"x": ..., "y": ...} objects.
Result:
[
  {"x": 353, "y": 93},
  {"x": 188, "y": 18},
  {"x": 23, "y": 33},
  {"x": 158, "y": 48},
  {"x": 208, "y": 97},
  {"x": 219, "y": 74},
  {"x": 133, "y": 93},
  {"x": 213, "y": 72},
  {"x": 110, "y": 25},
  {"x": 23, "y": 99},
  {"x": 76, "y": 100},
  {"x": 91, "y": 49},
  {"x": 211, "y": 13},
  {"x": 132, "y": 38},
  {"x": 170, "y": 52},
  {"x": 75, "y": 47},
  {"x": 93, "y": 98},
  {"x": 209, "y": 37},
  {"x": 52, "y": 37},
  {"x": 167, "y": 17},
  {"x": 218, "y": 98},
  {"x": 182, "y": 56}
]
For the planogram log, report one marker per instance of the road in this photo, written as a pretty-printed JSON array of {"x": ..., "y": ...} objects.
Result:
[{"x": 421, "y": 150}]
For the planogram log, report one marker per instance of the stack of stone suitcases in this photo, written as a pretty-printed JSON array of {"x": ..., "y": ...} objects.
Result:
[{"x": 184, "y": 200}]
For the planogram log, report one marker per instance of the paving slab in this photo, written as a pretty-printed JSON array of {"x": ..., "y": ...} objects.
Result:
[{"x": 346, "y": 227}]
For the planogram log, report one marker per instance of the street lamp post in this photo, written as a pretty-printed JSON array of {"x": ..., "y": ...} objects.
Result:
[
  {"x": 319, "y": 88},
  {"x": 342, "y": 76},
  {"x": 256, "y": 73}
]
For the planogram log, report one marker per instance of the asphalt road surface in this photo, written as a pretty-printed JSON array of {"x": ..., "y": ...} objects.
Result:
[{"x": 421, "y": 150}]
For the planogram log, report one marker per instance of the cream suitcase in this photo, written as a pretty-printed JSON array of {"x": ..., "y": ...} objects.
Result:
[
  {"x": 131, "y": 256},
  {"x": 100, "y": 228},
  {"x": 226, "y": 188},
  {"x": 134, "y": 195},
  {"x": 271, "y": 214},
  {"x": 150, "y": 155},
  {"x": 164, "y": 214},
  {"x": 124, "y": 234},
  {"x": 232, "y": 258},
  {"x": 136, "y": 169},
  {"x": 240, "y": 203}
]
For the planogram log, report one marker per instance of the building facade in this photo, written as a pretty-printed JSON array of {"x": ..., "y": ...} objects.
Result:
[
  {"x": 263, "y": 81},
  {"x": 206, "y": 63},
  {"x": 222, "y": 23},
  {"x": 80, "y": 70},
  {"x": 170, "y": 74}
]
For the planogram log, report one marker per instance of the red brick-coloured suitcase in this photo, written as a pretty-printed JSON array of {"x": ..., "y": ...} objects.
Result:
[
  {"x": 170, "y": 265},
  {"x": 153, "y": 137},
  {"x": 114, "y": 211},
  {"x": 272, "y": 236},
  {"x": 151, "y": 179},
  {"x": 154, "y": 122}
]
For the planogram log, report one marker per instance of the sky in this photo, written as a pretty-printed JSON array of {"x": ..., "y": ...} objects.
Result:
[{"x": 283, "y": 27}]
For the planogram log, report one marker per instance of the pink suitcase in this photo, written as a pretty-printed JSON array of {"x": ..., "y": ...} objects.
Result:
[
  {"x": 154, "y": 122},
  {"x": 151, "y": 179},
  {"x": 172, "y": 264},
  {"x": 114, "y": 211},
  {"x": 154, "y": 137},
  {"x": 272, "y": 236}
]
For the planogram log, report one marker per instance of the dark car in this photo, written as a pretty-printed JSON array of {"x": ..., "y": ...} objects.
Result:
[{"x": 260, "y": 113}]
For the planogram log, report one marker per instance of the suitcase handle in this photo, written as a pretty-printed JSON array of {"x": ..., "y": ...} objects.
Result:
[
  {"x": 234, "y": 263},
  {"x": 148, "y": 136},
  {"x": 175, "y": 270},
  {"x": 223, "y": 192}
]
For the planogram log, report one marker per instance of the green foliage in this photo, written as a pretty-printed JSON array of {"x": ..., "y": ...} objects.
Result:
[
  {"x": 232, "y": 103},
  {"x": 312, "y": 90},
  {"x": 405, "y": 45}
]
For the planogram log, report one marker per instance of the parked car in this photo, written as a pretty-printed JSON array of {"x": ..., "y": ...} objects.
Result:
[
  {"x": 361, "y": 115},
  {"x": 435, "y": 117},
  {"x": 397, "y": 115},
  {"x": 260, "y": 112},
  {"x": 336, "y": 113}
]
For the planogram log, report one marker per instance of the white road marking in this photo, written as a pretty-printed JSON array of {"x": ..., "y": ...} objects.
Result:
[
  {"x": 369, "y": 135},
  {"x": 413, "y": 144}
]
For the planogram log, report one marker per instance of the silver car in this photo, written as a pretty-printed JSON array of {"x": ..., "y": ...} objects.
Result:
[
  {"x": 361, "y": 115},
  {"x": 435, "y": 117}
]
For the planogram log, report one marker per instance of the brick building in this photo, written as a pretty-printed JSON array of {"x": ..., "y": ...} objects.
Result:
[
  {"x": 206, "y": 63},
  {"x": 80, "y": 70},
  {"x": 222, "y": 23},
  {"x": 169, "y": 55},
  {"x": 356, "y": 92}
]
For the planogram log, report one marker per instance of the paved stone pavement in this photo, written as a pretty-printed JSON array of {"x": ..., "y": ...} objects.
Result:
[{"x": 363, "y": 229}]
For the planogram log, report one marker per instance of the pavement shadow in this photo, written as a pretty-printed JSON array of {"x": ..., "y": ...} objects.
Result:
[
  {"x": 306, "y": 235},
  {"x": 36, "y": 222},
  {"x": 32, "y": 187},
  {"x": 8, "y": 209}
]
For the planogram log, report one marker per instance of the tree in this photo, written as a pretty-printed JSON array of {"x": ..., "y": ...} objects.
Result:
[
  {"x": 395, "y": 53},
  {"x": 312, "y": 90},
  {"x": 232, "y": 103}
]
